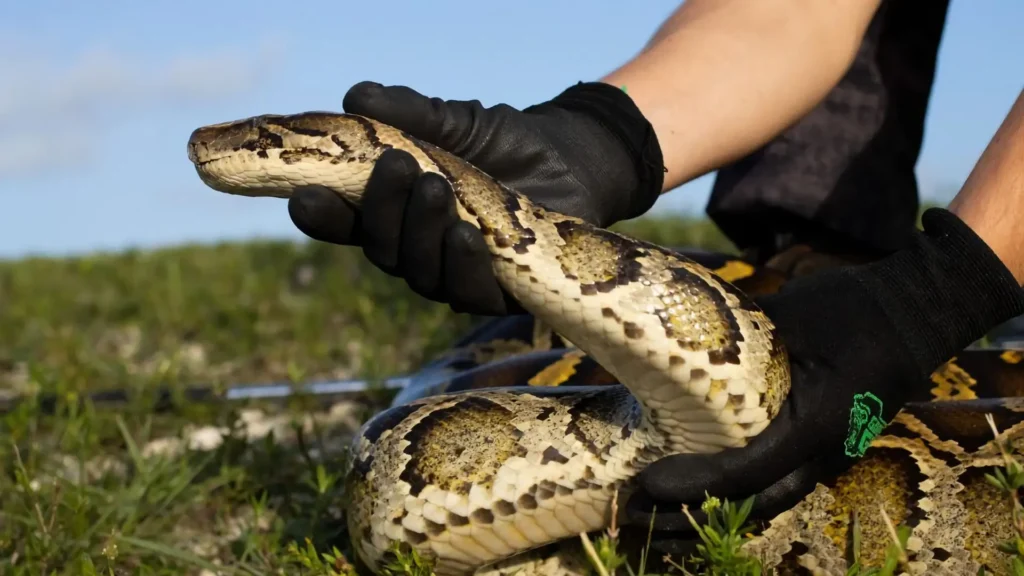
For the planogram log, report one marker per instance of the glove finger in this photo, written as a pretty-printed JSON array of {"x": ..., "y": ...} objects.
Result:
[
  {"x": 383, "y": 207},
  {"x": 768, "y": 503},
  {"x": 641, "y": 510},
  {"x": 323, "y": 215},
  {"x": 468, "y": 277},
  {"x": 788, "y": 491},
  {"x": 446, "y": 124},
  {"x": 673, "y": 533},
  {"x": 735, "y": 472},
  {"x": 429, "y": 213}
]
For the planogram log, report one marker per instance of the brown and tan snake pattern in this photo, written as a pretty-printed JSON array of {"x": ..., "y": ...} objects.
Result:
[
  {"x": 477, "y": 477},
  {"x": 927, "y": 469},
  {"x": 471, "y": 473}
]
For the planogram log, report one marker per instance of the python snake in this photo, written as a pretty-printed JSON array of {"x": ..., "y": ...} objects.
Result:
[
  {"x": 477, "y": 477},
  {"x": 927, "y": 468}
]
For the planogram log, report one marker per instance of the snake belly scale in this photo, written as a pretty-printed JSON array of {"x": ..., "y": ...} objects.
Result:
[{"x": 474, "y": 478}]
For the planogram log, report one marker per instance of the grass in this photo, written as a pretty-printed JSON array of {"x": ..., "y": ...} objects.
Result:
[
  {"x": 249, "y": 489},
  {"x": 99, "y": 491},
  {"x": 129, "y": 491}
]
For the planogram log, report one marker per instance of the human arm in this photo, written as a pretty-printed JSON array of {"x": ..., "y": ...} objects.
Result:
[
  {"x": 590, "y": 151},
  {"x": 721, "y": 78},
  {"x": 991, "y": 201}
]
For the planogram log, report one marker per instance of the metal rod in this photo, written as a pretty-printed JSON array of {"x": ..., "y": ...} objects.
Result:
[{"x": 354, "y": 388}]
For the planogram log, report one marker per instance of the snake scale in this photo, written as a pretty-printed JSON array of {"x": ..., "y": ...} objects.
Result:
[{"x": 478, "y": 477}]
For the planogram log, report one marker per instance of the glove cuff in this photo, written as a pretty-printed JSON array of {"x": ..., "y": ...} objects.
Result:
[
  {"x": 615, "y": 111},
  {"x": 943, "y": 292}
]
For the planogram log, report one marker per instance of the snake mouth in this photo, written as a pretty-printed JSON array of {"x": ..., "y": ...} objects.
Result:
[
  {"x": 199, "y": 151},
  {"x": 235, "y": 169},
  {"x": 206, "y": 162}
]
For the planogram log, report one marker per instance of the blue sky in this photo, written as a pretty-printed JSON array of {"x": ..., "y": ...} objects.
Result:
[{"x": 97, "y": 99}]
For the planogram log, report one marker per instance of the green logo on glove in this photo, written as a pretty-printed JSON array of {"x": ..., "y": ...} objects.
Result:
[{"x": 865, "y": 423}]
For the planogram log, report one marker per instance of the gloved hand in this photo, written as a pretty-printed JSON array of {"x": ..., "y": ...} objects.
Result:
[
  {"x": 588, "y": 153},
  {"x": 862, "y": 341}
]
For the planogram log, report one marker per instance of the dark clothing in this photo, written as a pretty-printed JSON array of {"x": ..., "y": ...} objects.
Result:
[{"x": 843, "y": 176}]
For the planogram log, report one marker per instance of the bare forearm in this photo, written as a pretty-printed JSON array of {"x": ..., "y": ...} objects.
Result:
[
  {"x": 991, "y": 201},
  {"x": 723, "y": 77}
]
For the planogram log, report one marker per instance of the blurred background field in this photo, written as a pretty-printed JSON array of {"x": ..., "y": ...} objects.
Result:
[{"x": 103, "y": 489}]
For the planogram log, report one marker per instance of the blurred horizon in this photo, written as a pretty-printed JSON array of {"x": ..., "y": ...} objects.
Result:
[{"x": 97, "y": 100}]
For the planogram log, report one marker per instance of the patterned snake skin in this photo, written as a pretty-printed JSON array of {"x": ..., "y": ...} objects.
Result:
[
  {"x": 927, "y": 468},
  {"x": 472, "y": 478}
]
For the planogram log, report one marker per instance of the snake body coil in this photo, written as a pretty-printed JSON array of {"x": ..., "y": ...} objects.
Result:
[{"x": 473, "y": 478}]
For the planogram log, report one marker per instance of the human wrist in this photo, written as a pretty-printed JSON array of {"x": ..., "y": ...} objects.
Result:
[
  {"x": 617, "y": 115},
  {"x": 944, "y": 291},
  {"x": 991, "y": 201}
]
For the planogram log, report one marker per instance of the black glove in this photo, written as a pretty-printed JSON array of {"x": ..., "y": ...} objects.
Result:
[
  {"x": 862, "y": 341},
  {"x": 588, "y": 152}
]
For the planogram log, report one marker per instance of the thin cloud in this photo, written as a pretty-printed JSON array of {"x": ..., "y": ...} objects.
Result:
[
  {"x": 28, "y": 153},
  {"x": 47, "y": 107}
]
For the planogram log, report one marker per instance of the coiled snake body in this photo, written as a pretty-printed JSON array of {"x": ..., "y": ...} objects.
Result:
[{"x": 472, "y": 478}]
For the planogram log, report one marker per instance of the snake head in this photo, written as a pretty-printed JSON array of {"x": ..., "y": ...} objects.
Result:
[{"x": 274, "y": 155}]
